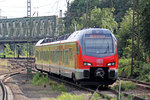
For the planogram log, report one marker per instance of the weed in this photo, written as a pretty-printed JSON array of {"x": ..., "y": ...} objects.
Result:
[
  {"x": 39, "y": 79},
  {"x": 68, "y": 96},
  {"x": 130, "y": 97},
  {"x": 56, "y": 87},
  {"x": 94, "y": 97},
  {"x": 144, "y": 96},
  {"x": 122, "y": 96},
  {"x": 4, "y": 63},
  {"x": 125, "y": 86}
]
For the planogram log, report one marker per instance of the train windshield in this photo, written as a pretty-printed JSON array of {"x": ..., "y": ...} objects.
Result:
[{"x": 99, "y": 45}]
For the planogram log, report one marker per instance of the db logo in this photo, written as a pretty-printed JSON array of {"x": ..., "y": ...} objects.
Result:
[{"x": 99, "y": 61}]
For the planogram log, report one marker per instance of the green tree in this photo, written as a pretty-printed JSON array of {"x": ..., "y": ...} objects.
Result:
[
  {"x": 61, "y": 26},
  {"x": 7, "y": 51},
  {"x": 103, "y": 18},
  {"x": 125, "y": 33},
  {"x": 121, "y": 6},
  {"x": 79, "y": 7},
  {"x": 145, "y": 25}
]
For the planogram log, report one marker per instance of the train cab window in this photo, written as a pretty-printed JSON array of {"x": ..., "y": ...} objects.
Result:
[{"x": 99, "y": 45}]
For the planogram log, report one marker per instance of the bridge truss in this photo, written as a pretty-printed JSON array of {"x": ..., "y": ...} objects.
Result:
[{"x": 21, "y": 30}]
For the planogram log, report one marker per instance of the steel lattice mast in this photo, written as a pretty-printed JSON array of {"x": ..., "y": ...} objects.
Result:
[{"x": 28, "y": 8}]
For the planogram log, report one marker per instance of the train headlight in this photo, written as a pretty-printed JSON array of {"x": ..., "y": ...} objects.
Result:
[
  {"x": 87, "y": 64},
  {"x": 111, "y": 64}
]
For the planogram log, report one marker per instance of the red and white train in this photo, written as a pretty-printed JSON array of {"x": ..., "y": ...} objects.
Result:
[{"x": 89, "y": 56}]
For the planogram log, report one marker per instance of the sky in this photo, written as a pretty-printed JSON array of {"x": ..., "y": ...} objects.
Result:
[{"x": 18, "y": 8}]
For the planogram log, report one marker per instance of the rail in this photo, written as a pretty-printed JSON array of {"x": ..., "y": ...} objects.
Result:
[{"x": 4, "y": 96}]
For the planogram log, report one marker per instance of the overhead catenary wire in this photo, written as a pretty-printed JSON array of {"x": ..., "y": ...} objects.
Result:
[
  {"x": 56, "y": 9},
  {"x": 52, "y": 8},
  {"x": 44, "y": 8}
]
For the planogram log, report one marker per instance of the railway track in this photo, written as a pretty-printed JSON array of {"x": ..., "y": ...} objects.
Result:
[
  {"x": 139, "y": 84},
  {"x": 16, "y": 68},
  {"x": 3, "y": 91},
  {"x": 106, "y": 93},
  {"x": 111, "y": 93},
  {"x": 6, "y": 92}
]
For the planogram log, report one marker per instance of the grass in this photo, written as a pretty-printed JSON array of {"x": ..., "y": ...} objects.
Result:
[
  {"x": 125, "y": 86},
  {"x": 4, "y": 62},
  {"x": 40, "y": 79},
  {"x": 144, "y": 96},
  {"x": 68, "y": 96},
  {"x": 58, "y": 87},
  {"x": 4, "y": 65}
]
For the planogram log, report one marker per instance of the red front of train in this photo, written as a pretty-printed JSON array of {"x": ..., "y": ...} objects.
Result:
[{"x": 97, "y": 56}]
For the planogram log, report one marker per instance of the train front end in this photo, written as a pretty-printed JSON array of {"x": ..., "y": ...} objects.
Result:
[{"x": 97, "y": 61}]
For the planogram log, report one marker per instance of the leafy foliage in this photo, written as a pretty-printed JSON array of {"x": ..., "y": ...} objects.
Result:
[
  {"x": 78, "y": 7},
  {"x": 39, "y": 79},
  {"x": 99, "y": 18},
  {"x": 58, "y": 87},
  {"x": 124, "y": 67},
  {"x": 68, "y": 96},
  {"x": 103, "y": 18},
  {"x": 145, "y": 24},
  {"x": 143, "y": 71},
  {"x": 125, "y": 34},
  {"x": 125, "y": 86},
  {"x": 7, "y": 51}
]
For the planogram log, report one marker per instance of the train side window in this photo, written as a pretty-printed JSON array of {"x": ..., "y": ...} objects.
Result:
[
  {"x": 52, "y": 56},
  {"x": 37, "y": 55},
  {"x": 44, "y": 55},
  {"x": 63, "y": 55},
  {"x": 57, "y": 55},
  {"x": 66, "y": 56},
  {"x": 70, "y": 53},
  {"x": 47, "y": 54},
  {"x": 40, "y": 55}
]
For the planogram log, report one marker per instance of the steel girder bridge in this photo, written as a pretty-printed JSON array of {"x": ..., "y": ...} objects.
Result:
[{"x": 27, "y": 29}]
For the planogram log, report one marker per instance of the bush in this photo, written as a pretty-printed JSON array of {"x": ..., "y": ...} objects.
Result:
[
  {"x": 124, "y": 67},
  {"x": 125, "y": 86},
  {"x": 39, "y": 79},
  {"x": 56, "y": 87},
  {"x": 143, "y": 72}
]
